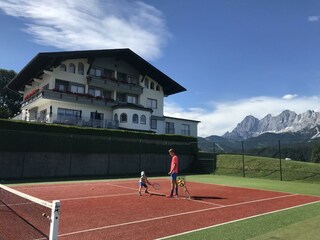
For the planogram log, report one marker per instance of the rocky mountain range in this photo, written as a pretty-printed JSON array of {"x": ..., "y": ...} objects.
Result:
[{"x": 286, "y": 122}]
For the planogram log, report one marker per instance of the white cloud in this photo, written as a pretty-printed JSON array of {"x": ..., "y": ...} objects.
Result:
[
  {"x": 313, "y": 18},
  {"x": 219, "y": 117},
  {"x": 289, "y": 96},
  {"x": 94, "y": 24}
]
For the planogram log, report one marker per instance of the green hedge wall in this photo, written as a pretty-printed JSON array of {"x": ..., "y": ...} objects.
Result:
[{"x": 21, "y": 136}]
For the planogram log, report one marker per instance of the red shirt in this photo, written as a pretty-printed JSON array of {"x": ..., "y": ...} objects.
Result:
[{"x": 174, "y": 160}]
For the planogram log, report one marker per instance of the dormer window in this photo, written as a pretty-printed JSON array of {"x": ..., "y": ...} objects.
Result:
[
  {"x": 151, "y": 85},
  {"x": 63, "y": 68},
  {"x": 146, "y": 82},
  {"x": 157, "y": 88},
  {"x": 72, "y": 68},
  {"x": 80, "y": 69}
]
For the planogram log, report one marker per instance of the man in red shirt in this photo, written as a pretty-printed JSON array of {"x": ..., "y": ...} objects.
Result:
[{"x": 173, "y": 172}]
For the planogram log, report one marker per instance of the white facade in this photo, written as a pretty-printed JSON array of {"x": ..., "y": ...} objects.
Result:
[{"x": 105, "y": 92}]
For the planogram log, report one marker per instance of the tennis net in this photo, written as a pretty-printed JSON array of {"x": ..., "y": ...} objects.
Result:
[{"x": 27, "y": 217}]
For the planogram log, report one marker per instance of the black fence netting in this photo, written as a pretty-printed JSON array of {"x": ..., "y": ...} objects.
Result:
[
  {"x": 34, "y": 154},
  {"x": 288, "y": 160}
]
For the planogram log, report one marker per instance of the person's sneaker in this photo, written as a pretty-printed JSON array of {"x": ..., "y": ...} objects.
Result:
[
  {"x": 146, "y": 192},
  {"x": 169, "y": 196}
]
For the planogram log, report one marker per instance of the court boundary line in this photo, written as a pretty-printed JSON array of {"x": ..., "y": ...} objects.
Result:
[
  {"x": 252, "y": 188},
  {"x": 238, "y": 220},
  {"x": 173, "y": 215},
  {"x": 97, "y": 196},
  {"x": 106, "y": 181}
]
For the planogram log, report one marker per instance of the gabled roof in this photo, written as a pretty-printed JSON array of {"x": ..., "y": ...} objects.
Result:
[{"x": 47, "y": 60}]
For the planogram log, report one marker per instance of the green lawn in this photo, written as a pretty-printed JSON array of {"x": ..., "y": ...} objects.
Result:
[
  {"x": 267, "y": 168},
  {"x": 297, "y": 223}
]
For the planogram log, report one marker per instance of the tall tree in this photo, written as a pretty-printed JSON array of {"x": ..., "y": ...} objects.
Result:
[
  {"x": 9, "y": 100},
  {"x": 316, "y": 154}
]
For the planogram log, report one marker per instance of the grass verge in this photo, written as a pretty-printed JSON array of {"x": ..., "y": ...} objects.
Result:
[{"x": 297, "y": 223}]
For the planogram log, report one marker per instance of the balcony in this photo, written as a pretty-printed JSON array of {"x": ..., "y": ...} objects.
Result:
[
  {"x": 76, "y": 121},
  {"x": 114, "y": 85},
  {"x": 69, "y": 97}
]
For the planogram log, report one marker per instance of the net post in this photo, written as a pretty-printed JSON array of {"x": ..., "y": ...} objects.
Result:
[{"x": 55, "y": 217}]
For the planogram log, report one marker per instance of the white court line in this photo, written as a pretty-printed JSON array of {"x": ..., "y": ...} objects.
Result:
[
  {"x": 169, "y": 216},
  {"x": 209, "y": 203},
  {"x": 106, "y": 195},
  {"x": 237, "y": 220},
  {"x": 75, "y": 184},
  {"x": 97, "y": 196}
]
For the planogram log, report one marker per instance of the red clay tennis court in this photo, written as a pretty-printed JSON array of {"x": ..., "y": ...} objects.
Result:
[{"x": 113, "y": 209}]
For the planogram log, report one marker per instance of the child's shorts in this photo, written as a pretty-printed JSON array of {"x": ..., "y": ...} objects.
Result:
[{"x": 141, "y": 184}]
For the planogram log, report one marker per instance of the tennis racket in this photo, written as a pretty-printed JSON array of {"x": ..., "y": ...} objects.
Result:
[
  {"x": 186, "y": 193},
  {"x": 182, "y": 182},
  {"x": 156, "y": 186}
]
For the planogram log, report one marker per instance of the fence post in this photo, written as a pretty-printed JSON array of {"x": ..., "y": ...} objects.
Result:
[
  {"x": 280, "y": 160},
  {"x": 242, "y": 151},
  {"x": 140, "y": 152},
  {"x": 214, "y": 158}
]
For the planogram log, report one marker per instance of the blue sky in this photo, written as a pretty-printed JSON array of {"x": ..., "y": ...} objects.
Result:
[{"x": 235, "y": 57}]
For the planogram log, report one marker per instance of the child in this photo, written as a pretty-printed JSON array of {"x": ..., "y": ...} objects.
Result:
[{"x": 143, "y": 183}]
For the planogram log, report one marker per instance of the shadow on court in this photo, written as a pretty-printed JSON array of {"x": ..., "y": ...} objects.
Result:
[
  {"x": 205, "y": 197},
  {"x": 157, "y": 194}
]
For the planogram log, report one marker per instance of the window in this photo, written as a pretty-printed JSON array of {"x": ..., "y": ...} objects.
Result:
[
  {"x": 146, "y": 82},
  {"x": 153, "y": 123},
  {"x": 157, "y": 88},
  {"x": 80, "y": 69},
  {"x": 96, "y": 115},
  {"x": 151, "y": 85},
  {"x": 107, "y": 94},
  {"x": 152, "y": 103},
  {"x": 96, "y": 119},
  {"x": 63, "y": 68},
  {"x": 68, "y": 115},
  {"x": 61, "y": 85},
  {"x": 185, "y": 129},
  {"x": 132, "y": 99},
  {"x": 121, "y": 97},
  {"x": 95, "y": 92},
  {"x": 132, "y": 80},
  {"x": 143, "y": 119},
  {"x": 122, "y": 77},
  {"x": 76, "y": 88},
  {"x": 123, "y": 117},
  {"x": 107, "y": 73},
  {"x": 96, "y": 72},
  {"x": 62, "y": 88},
  {"x": 135, "y": 118},
  {"x": 169, "y": 128},
  {"x": 72, "y": 68}
]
